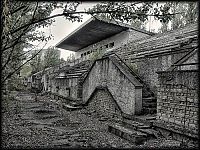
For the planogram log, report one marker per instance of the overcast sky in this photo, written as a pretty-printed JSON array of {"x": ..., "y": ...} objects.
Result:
[{"x": 62, "y": 27}]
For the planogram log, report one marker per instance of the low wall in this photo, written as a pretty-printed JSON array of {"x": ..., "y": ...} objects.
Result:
[
  {"x": 67, "y": 87},
  {"x": 102, "y": 104},
  {"x": 177, "y": 99}
]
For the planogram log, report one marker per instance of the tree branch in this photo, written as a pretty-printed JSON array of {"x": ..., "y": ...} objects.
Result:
[
  {"x": 9, "y": 58},
  {"x": 18, "y": 9},
  {"x": 15, "y": 40},
  {"x": 10, "y": 74},
  {"x": 27, "y": 51},
  {"x": 80, "y": 12},
  {"x": 14, "y": 44}
]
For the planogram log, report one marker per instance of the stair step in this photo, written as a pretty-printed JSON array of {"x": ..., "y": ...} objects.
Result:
[
  {"x": 149, "y": 132},
  {"x": 149, "y": 110},
  {"x": 135, "y": 125},
  {"x": 143, "y": 127},
  {"x": 133, "y": 136},
  {"x": 149, "y": 105},
  {"x": 149, "y": 99}
]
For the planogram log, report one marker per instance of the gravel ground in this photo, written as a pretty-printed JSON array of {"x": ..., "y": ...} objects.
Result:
[{"x": 43, "y": 124}]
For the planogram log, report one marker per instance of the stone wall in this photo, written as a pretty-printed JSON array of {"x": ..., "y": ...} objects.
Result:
[
  {"x": 148, "y": 66},
  {"x": 177, "y": 99},
  {"x": 126, "y": 90},
  {"x": 102, "y": 104}
]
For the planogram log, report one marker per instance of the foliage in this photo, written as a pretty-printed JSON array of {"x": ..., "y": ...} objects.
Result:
[
  {"x": 97, "y": 54},
  {"x": 138, "y": 24},
  {"x": 189, "y": 14},
  {"x": 51, "y": 57},
  {"x": 19, "y": 29},
  {"x": 36, "y": 63},
  {"x": 71, "y": 58},
  {"x": 133, "y": 67},
  {"x": 46, "y": 58},
  {"x": 129, "y": 11},
  {"x": 26, "y": 70}
]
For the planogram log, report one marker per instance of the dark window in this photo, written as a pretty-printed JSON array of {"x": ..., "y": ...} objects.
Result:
[
  {"x": 81, "y": 55},
  {"x": 57, "y": 88},
  {"x": 88, "y": 52},
  {"x": 68, "y": 91},
  {"x": 111, "y": 44},
  {"x": 84, "y": 54},
  {"x": 106, "y": 45}
]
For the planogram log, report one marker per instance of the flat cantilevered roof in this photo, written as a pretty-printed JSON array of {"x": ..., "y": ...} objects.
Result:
[{"x": 93, "y": 31}]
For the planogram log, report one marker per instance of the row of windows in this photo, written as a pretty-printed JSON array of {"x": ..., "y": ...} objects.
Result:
[{"x": 110, "y": 45}]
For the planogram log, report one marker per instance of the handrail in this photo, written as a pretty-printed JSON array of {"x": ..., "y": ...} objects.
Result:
[{"x": 128, "y": 67}]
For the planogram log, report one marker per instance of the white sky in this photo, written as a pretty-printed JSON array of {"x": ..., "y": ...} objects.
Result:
[{"x": 62, "y": 27}]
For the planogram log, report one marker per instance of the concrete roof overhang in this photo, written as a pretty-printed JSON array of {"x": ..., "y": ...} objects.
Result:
[{"x": 92, "y": 31}]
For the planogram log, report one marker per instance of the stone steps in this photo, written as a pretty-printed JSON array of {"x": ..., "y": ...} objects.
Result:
[
  {"x": 137, "y": 129},
  {"x": 149, "y": 105},
  {"x": 149, "y": 110},
  {"x": 149, "y": 99}
]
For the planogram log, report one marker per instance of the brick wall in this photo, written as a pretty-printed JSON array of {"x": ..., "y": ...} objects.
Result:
[
  {"x": 177, "y": 99},
  {"x": 103, "y": 104}
]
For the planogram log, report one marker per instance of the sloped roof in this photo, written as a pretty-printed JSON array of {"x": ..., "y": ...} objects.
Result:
[{"x": 93, "y": 31}]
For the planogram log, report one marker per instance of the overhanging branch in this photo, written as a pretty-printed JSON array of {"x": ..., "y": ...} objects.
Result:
[{"x": 10, "y": 74}]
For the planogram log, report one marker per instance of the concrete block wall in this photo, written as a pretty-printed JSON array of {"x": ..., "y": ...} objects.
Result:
[
  {"x": 103, "y": 104},
  {"x": 177, "y": 99}
]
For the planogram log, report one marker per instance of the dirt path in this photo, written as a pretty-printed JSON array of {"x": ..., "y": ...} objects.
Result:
[{"x": 44, "y": 124}]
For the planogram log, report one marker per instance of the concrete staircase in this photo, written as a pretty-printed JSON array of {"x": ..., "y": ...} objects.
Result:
[
  {"x": 136, "y": 132},
  {"x": 149, "y": 102},
  {"x": 149, "y": 105},
  {"x": 79, "y": 71}
]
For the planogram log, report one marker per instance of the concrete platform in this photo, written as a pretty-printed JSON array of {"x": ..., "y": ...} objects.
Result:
[{"x": 133, "y": 136}]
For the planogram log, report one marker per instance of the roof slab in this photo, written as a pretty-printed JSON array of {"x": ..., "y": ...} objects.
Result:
[{"x": 92, "y": 31}]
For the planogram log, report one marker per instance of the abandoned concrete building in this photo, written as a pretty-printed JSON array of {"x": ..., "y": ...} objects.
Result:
[{"x": 139, "y": 73}]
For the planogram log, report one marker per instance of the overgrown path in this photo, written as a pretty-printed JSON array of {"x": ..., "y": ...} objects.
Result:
[{"x": 45, "y": 124}]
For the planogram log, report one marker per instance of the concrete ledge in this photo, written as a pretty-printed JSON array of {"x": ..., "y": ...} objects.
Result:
[
  {"x": 176, "y": 129},
  {"x": 133, "y": 136}
]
